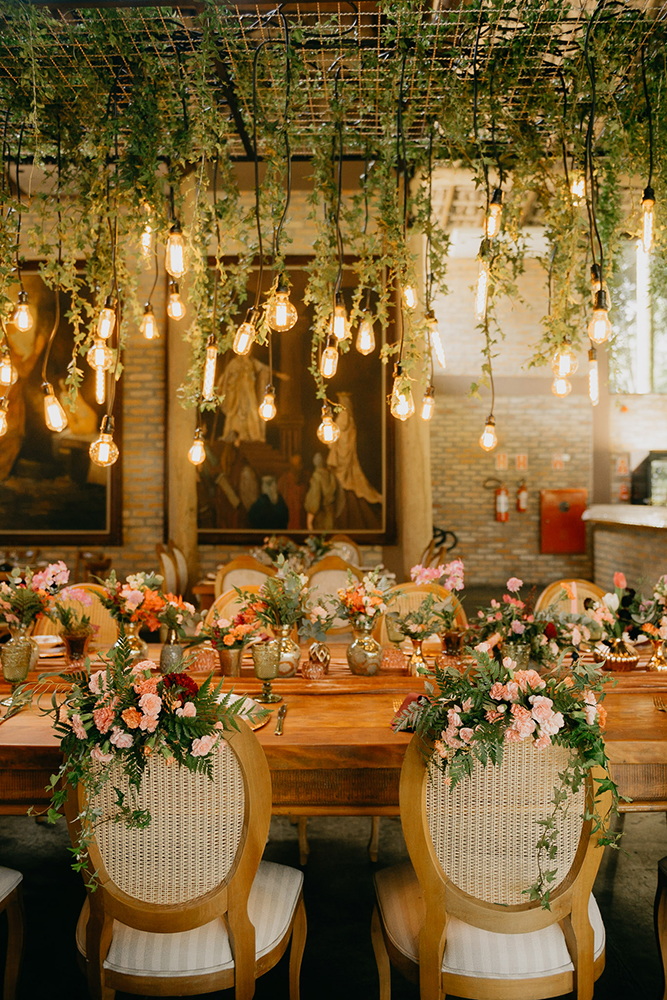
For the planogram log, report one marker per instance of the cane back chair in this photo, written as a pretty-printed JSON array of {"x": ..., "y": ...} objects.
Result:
[
  {"x": 11, "y": 901},
  {"x": 186, "y": 906},
  {"x": 242, "y": 572},
  {"x": 555, "y": 595},
  {"x": 328, "y": 576},
  {"x": 107, "y": 629},
  {"x": 457, "y": 919},
  {"x": 406, "y": 597}
]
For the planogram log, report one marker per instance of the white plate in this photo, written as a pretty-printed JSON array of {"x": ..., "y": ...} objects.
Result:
[{"x": 48, "y": 640}]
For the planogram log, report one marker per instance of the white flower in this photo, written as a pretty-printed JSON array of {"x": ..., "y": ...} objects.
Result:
[{"x": 612, "y": 601}]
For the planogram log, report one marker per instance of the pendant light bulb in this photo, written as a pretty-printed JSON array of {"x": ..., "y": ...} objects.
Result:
[
  {"x": 174, "y": 259},
  {"x": 100, "y": 356},
  {"x": 593, "y": 377},
  {"x": 54, "y": 415},
  {"x": 435, "y": 340},
  {"x": 648, "y": 204},
  {"x": 578, "y": 188},
  {"x": 267, "y": 408},
  {"x": 146, "y": 241},
  {"x": 494, "y": 214},
  {"x": 366, "y": 336},
  {"x": 175, "y": 305},
  {"x": 489, "y": 438},
  {"x": 208, "y": 382},
  {"x": 597, "y": 284},
  {"x": 402, "y": 404},
  {"x": 599, "y": 328},
  {"x": 339, "y": 325},
  {"x": 149, "y": 324},
  {"x": 4, "y": 423},
  {"x": 8, "y": 372},
  {"x": 197, "y": 452},
  {"x": 100, "y": 386},
  {"x": 561, "y": 387},
  {"x": 410, "y": 297},
  {"x": 329, "y": 359},
  {"x": 328, "y": 432},
  {"x": 564, "y": 362},
  {"x": 482, "y": 292},
  {"x": 246, "y": 334},
  {"x": 281, "y": 315},
  {"x": 107, "y": 319},
  {"x": 104, "y": 451},
  {"x": 428, "y": 403},
  {"x": 22, "y": 317}
]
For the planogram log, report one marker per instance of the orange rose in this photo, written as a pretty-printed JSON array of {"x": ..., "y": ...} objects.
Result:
[{"x": 131, "y": 717}]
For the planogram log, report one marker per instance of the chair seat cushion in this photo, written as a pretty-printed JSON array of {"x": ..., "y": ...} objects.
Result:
[
  {"x": 9, "y": 879},
  {"x": 206, "y": 949},
  {"x": 471, "y": 951}
]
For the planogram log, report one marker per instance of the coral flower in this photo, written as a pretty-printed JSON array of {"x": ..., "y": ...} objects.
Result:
[
  {"x": 131, "y": 717},
  {"x": 103, "y": 717}
]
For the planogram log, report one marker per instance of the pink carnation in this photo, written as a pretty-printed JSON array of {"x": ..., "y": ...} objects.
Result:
[
  {"x": 491, "y": 715},
  {"x": 467, "y": 705},
  {"x": 425, "y": 574},
  {"x": 542, "y": 741},
  {"x": 542, "y": 707},
  {"x": 147, "y": 685},
  {"x": 141, "y": 666},
  {"x": 132, "y": 598},
  {"x": 466, "y": 734},
  {"x": 203, "y": 745},
  {"x": 121, "y": 739},
  {"x": 99, "y": 756},
  {"x": 522, "y": 726},
  {"x": 453, "y": 718},
  {"x": 188, "y": 711},
  {"x": 529, "y": 678},
  {"x": 148, "y": 723},
  {"x": 450, "y": 738},
  {"x": 78, "y": 727},
  {"x": 511, "y": 691},
  {"x": 497, "y": 691},
  {"x": 150, "y": 703},
  {"x": 103, "y": 717},
  {"x": 518, "y": 627},
  {"x": 514, "y": 584},
  {"x": 552, "y": 724},
  {"x": 97, "y": 682}
]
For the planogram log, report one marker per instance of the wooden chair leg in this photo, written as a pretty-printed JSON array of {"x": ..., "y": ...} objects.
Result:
[
  {"x": 381, "y": 956},
  {"x": 15, "y": 920},
  {"x": 660, "y": 918},
  {"x": 299, "y": 929},
  {"x": 304, "y": 849},
  {"x": 374, "y": 842}
]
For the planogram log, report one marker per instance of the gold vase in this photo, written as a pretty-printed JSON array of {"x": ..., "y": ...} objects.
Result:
[
  {"x": 619, "y": 658},
  {"x": 171, "y": 654},
  {"x": 230, "y": 661},
  {"x": 658, "y": 662},
  {"x": 417, "y": 660},
  {"x": 364, "y": 655},
  {"x": 138, "y": 648}
]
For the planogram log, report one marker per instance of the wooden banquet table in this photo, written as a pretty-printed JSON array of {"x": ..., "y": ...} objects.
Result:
[{"x": 338, "y": 754}]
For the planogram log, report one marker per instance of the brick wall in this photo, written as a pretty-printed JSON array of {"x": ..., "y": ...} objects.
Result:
[{"x": 640, "y": 553}]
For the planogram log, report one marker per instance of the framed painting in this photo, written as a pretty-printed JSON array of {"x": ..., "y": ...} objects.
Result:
[
  {"x": 50, "y": 491},
  {"x": 261, "y": 478}
]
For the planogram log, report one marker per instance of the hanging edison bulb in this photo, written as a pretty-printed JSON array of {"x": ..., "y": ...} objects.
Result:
[
  {"x": 174, "y": 259},
  {"x": 494, "y": 214},
  {"x": 107, "y": 318},
  {"x": 578, "y": 187},
  {"x": 564, "y": 362},
  {"x": 197, "y": 452},
  {"x": 402, "y": 404},
  {"x": 561, "y": 387},
  {"x": 100, "y": 356},
  {"x": 175, "y": 305},
  {"x": 281, "y": 314},
  {"x": 428, "y": 403},
  {"x": 100, "y": 386},
  {"x": 54, "y": 415},
  {"x": 147, "y": 241},
  {"x": 366, "y": 336},
  {"x": 482, "y": 291},
  {"x": 489, "y": 438},
  {"x": 328, "y": 432},
  {"x": 329, "y": 359},
  {"x": 339, "y": 325},
  {"x": 246, "y": 333},
  {"x": 267, "y": 408},
  {"x": 4, "y": 423},
  {"x": 149, "y": 324},
  {"x": 435, "y": 340},
  {"x": 104, "y": 451},
  {"x": 410, "y": 296},
  {"x": 648, "y": 204},
  {"x": 8, "y": 372},
  {"x": 599, "y": 328},
  {"x": 593, "y": 377},
  {"x": 22, "y": 317},
  {"x": 208, "y": 382}
]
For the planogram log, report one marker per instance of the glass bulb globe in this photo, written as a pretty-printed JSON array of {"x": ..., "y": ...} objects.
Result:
[
  {"x": 329, "y": 360},
  {"x": 149, "y": 324},
  {"x": 174, "y": 258},
  {"x": 281, "y": 314},
  {"x": 244, "y": 338},
  {"x": 107, "y": 319},
  {"x": 435, "y": 340},
  {"x": 100, "y": 386},
  {"x": 175, "y": 305},
  {"x": 402, "y": 404},
  {"x": 104, "y": 451},
  {"x": 54, "y": 415},
  {"x": 339, "y": 325},
  {"x": 8, "y": 372},
  {"x": 482, "y": 292},
  {"x": 428, "y": 403},
  {"x": 593, "y": 377},
  {"x": 328, "y": 432},
  {"x": 208, "y": 381},
  {"x": 100, "y": 356},
  {"x": 599, "y": 328},
  {"x": 22, "y": 317},
  {"x": 410, "y": 297},
  {"x": 489, "y": 438},
  {"x": 494, "y": 215},
  {"x": 267, "y": 408},
  {"x": 578, "y": 187},
  {"x": 648, "y": 205},
  {"x": 146, "y": 240},
  {"x": 561, "y": 387},
  {"x": 366, "y": 336},
  {"x": 4, "y": 423},
  {"x": 564, "y": 361},
  {"x": 197, "y": 452}
]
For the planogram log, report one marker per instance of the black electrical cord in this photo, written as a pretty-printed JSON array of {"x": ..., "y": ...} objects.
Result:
[
  {"x": 649, "y": 116},
  {"x": 428, "y": 283},
  {"x": 475, "y": 89},
  {"x": 494, "y": 144},
  {"x": 19, "y": 213},
  {"x": 590, "y": 192},
  {"x": 113, "y": 230},
  {"x": 288, "y": 153},
  {"x": 561, "y": 77},
  {"x": 339, "y": 195},
  {"x": 56, "y": 322},
  {"x": 258, "y": 217}
]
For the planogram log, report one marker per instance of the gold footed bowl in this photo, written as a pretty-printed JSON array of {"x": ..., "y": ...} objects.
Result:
[{"x": 619, "y": 658}]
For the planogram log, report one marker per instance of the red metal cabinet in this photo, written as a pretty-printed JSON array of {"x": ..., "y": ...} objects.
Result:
[{"x": 562, "y": 530}]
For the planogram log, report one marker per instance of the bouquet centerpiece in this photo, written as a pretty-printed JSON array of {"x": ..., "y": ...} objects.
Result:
[
  {"x": 124, "y": 715},
  {"x": 362, "y": 603},
  {"x": 174, "y": 615},
  {"x": 134, "y": 604},
  {"x": 617, "y": 614},
  {"x": 76, "y": 628},
  {"x": 471, "y": 716},
  {"x": 24, "y": 598}
]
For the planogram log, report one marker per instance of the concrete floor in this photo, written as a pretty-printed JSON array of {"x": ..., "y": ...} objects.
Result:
[{"x": 338, "y": 960}]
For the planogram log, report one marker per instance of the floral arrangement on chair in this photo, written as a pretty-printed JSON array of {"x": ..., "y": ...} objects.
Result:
[
  {"x": 122, "y": 714},
  {"x": 138, "y": 601},
  {"x": 295, "y": 557},
  {"x": 363, "y": 601},
  {"x": 474, "y": 714},
  {"x": 27, "y": 595}
]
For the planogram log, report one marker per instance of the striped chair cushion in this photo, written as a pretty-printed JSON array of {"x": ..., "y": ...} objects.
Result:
[
  {"x": 206, "y": 949},
  {"x": 9, "y": 879},
  {"x": 471, "y": 951}
]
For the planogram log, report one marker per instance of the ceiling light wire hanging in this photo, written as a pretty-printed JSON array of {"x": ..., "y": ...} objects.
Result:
[
  {"x": 54, "y": 414},
  {"x": 648, "y": 196}
]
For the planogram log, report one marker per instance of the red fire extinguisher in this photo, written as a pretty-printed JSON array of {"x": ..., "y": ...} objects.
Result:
[
  {"x": 502, "y": 504},
  {"x": 522, "y": 498}
]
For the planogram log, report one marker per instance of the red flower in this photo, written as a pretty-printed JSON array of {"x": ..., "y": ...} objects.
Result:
[
  {"x": 551, "y": 631},
  {"x": 182, "y": 681}
]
